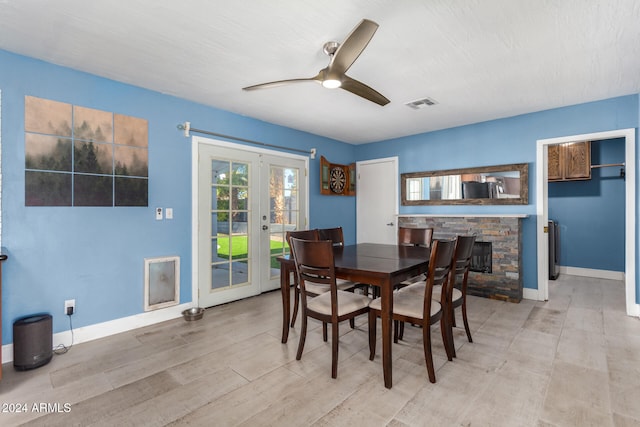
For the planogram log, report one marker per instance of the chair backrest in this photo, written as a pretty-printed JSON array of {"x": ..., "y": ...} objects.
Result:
[
  {"x": 415, "y": 236},
  {"x": 333, "y": 234},
  {"x": 314, "y": 263},
  {"x": 302, "y": 234},
  {"x": 439, "y": 267},
  {"x": 461, "y": 261}
]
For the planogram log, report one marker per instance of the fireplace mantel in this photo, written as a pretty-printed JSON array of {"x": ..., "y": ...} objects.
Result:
[
  {"x": 504, "y": 231},
  {"x": 473, "y": 215}
]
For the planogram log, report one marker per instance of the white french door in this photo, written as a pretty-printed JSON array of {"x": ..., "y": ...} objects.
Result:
[{"x": 246, "y": 201}]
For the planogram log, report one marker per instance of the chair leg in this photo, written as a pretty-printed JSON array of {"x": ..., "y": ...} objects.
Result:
[
  {"x": 303, "y": 337},
  {"x": 450, "y": 325},
  {"x": 375, "y": 293},
  {"x": 446, "y": 337},
  {"x": 464, "y": 319},
  {"x": 372, "y": 335},
  {"x": 334, "y": 349},
  {"x": 296, "y": 303},
  {"x": 324, "y": 331},
  {"x": 426, "y": 337},
  {"x": 396, "y": 331}
]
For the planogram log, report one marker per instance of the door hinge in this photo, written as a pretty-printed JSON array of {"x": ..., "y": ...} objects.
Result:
[{"x": 546, "y": 229}]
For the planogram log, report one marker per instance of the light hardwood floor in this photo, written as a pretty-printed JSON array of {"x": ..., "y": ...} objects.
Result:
[{"x": 572, "y": 361}]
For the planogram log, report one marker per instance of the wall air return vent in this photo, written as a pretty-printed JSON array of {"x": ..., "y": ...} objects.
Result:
[{"x": 421, "y": 103}]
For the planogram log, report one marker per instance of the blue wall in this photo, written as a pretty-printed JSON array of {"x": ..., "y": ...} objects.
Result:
[
  {"x": 509, "y": 140},
  {"x": 96, "y": 254},
  {"x": 590, "y": 213}
]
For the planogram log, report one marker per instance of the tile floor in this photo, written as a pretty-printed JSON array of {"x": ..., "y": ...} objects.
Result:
[{"x": 571, "y": 361}]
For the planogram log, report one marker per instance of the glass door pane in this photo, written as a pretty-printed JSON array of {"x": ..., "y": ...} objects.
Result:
[
  {"x": 230, "y": 238},
  {"x": 284, "y": 212}
]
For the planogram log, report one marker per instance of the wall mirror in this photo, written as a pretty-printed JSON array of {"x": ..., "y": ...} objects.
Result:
[{"x": 488, "y": 185}]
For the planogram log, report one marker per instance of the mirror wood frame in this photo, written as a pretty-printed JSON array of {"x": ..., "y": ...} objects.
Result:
[{"x": 523, "y": 168}]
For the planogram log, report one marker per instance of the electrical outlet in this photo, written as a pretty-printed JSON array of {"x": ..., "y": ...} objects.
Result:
[{"x": 69, "y": 305}]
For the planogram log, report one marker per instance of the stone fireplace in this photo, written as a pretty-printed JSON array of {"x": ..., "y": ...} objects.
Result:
[{"x": 503, "y": 280}]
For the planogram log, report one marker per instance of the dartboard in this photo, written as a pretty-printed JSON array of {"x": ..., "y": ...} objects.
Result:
[{"x": 338, "y": 180}]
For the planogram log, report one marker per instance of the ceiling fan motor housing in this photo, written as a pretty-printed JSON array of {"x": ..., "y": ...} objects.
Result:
[{"x": 330, "y": 48}]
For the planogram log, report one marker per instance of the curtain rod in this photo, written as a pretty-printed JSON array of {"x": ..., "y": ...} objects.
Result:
[
  {"x": 607, "y": 165},
  {"x": 186, "y": 127},
  {"x": 622, "y": 172}
]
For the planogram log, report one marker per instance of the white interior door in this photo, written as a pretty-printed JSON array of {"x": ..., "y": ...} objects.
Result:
[
  {"x": 246, "y": 200},
  {"x": 377, "y": 200}
]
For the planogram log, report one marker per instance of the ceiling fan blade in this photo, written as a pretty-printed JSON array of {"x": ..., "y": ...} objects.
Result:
[
  {"x": 364, "y": 91},
  {"x": 277, "y": 83},
  {"x": 352, "y": 46}
]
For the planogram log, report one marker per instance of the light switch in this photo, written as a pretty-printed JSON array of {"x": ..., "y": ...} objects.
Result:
[
  {"x": 158, "y": 214},
  {"x": 169, "y": 213}
]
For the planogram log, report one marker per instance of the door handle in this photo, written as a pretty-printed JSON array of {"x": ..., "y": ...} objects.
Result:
[
  {"x": 390, "y": 224},
  {"x": 265, "y": 227}
]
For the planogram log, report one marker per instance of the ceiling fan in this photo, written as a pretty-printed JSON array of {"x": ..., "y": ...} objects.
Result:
[{"x": 342, "y": 57}]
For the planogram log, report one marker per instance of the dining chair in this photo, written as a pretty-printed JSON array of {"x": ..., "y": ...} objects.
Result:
[
  {"x": 336, "y": 236},
  {"x": 305, "y": 235},
  {"x": 453, "y": 297},
  {"x": 457, "y": 297},
  {"x": 409, "y": 236},
  {"x": 315, "y": 267},
  {"x": 424, "y": 310},
  {"x": 317, "y": 289}
]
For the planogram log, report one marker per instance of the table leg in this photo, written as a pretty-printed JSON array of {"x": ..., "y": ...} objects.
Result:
[
  {"x": 386, "y": 293},
  {"x": 286, "y": 297}
]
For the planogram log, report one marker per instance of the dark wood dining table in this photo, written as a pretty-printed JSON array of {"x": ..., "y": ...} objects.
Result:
[{"x": 379, "y": 265}]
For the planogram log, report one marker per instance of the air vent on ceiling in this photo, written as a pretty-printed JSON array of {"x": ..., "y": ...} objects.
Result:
[{"x": 421, "y": 103}]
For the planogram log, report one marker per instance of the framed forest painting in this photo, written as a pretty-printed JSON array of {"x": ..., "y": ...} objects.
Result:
[{"x": 79, "y": 156}]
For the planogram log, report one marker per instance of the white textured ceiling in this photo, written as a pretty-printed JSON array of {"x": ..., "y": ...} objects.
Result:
[{"x": 479, "y": 59}]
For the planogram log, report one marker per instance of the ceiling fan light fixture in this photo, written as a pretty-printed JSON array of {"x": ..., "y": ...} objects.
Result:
[
  {"x": 343, "y": 56},
  {"x": 331, "y": 83}
]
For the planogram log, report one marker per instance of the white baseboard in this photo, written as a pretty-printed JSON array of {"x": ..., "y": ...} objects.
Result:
[
  {"x": 532, "y": 294},
  {"x": 112, "y": 327},
  {"x": 589, "y": 272}
]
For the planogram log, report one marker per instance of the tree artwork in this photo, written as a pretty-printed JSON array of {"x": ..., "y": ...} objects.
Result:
[{"x": 78, "y": 156}]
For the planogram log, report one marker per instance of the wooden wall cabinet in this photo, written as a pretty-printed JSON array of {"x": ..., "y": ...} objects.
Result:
[
  {"x": 570, "y": 161},
  {"x": 336, "y": 179}
]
